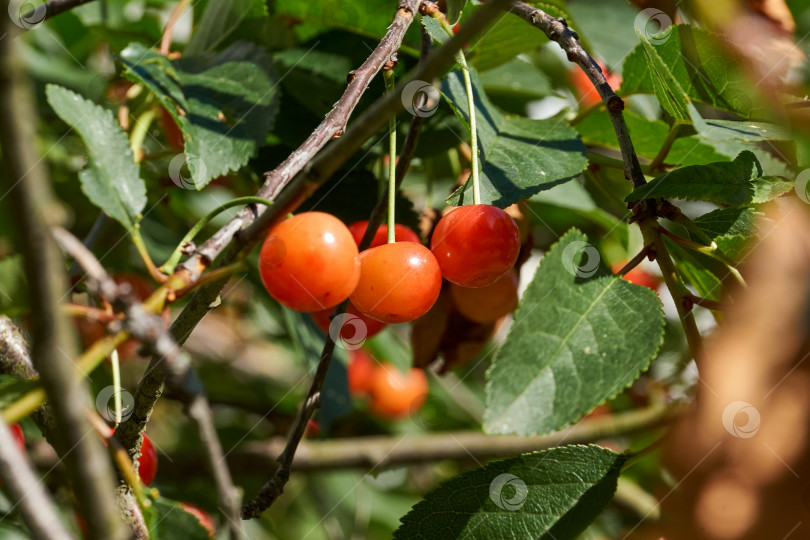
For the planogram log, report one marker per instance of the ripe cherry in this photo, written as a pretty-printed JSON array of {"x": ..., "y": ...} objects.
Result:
[
  {"x": 202, "y": 516},
  {"x": 397, "y": 394},
  {"x": 399, "y": 282},
  {"x": 309, "y": 262},
  {"x": 475, "y": 244},
  {"x": 19, "y": 437},
  {"x": 147, "y": 463},
  {"x": 487, "y": 304},
  {"x": 588, "y": 95},
  {"x": 360, "y": 372},
  {"x": 401, "y": 234},
  {"x": 351, "y": 331},
  {"x": 639, "y": 276}
]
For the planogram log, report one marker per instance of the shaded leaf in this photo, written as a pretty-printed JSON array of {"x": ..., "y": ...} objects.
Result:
[
  {"x": 219, "y": 19},
  {"x": 112, "y": 181},
  {"x": 519, "y": 156},
  {"x": 577, "y": 341},
  {"x": 691, "y": 56},
  {"x": 454, "y": 9},
  {"x": 545, "y": 495},
  {"x": 12, "y": 388},
  {"x": 728, "y": 184},
  {"x": 224, "y": 104}
]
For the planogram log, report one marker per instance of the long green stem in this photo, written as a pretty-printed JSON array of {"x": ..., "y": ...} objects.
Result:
[
  {"x": 388, "y": 76},
  {"x": 139, "y": 131},
  {"x": 174, "y": 258},
  {"x": 462, "y": 61}
]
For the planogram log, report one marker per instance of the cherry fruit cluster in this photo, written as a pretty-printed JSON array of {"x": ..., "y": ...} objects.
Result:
[{"x": 310, "y": 262}]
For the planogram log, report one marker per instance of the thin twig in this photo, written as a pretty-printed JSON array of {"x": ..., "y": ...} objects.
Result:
[
  {"x": 33, "y": 208},
  {"x": 387, "y": 451},
  {"x": 557, "y": 30},
  {"x": 48, "y": 10},
  {"x": 166, "y": 40},
  {"x": 27, "y": 492},
  {"x": 703, "y": 302},
  {"x": 149, "y": 328},
  {"x": 646, "y": 252}
]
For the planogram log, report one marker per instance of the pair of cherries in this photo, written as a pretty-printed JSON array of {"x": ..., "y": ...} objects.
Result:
[{"x": 310, "y": 262}]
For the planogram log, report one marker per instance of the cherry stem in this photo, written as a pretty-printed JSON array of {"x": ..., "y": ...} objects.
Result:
[
  {"x": 137, "y": 239},
  {"x": 174, "y": 258},
  {"x": 462, "y": 61},
  {"x": 139, "y": 131},
  {"x": 388, "y": 77},
  {"x": 116, "y": 374}
]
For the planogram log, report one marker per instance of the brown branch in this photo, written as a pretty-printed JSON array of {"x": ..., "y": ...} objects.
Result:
[
  {"x": 557, "y": 30},
  {"x": 251, "y": 225},
  {"x": 46, "y": 11},
  {"x": 646, "y": 212},
  {"x": 273, "y": 488},
  {"x": 149, "y": 328},
  {"x": 26, "y": 490},
  {"x": 25, "y": 179},
  {"x": 693, "y": 300}
]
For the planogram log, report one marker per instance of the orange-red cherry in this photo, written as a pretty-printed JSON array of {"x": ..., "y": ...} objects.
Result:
[
  {"x": 401, "y": 234},
  {"x": 475, "y": 244},
  {"x": 639, "y": 276},
  {"x": 147, "y": 463},
  {"x": 19, "y": 437},
  {"x": 399, "y": 282},
  {"x": 487, "y": 304},
  {"x": 396, "y": 394},
  {"x": 309, "y": 262},
  {"x": 360, "y": 372},
  {"x": 350, "y": 330}
]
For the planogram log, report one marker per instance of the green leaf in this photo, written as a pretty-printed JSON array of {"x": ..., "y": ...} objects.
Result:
[
  {"x": 167, "y": 520},
  {"x": 730, "y": 228},
  {"x": 726, "y": 130},
  {"x": 593, "y": 17},
  {"x": 669, "y": 92},
  {"x": 727, "y": 184},
  {"x": 224, "y": 104},
  {"x": 546, "y": 495},
  {"x": 704, "y": 73},
  {"x": 516, "y": 79},
  {"x": 699, "y": 270},
  {"x": 648, "y": 136},
  {"x": 580, "y": 336},
  {"x": 219, "y": 19},
  {"x": 519, "y": 156},
  {"x": 454, "y": 9},
  {"x": 436, "y": 30},
  {"x": 366, "y": 17},
  {"x": 112, "y": 181},
  {"x": 12, "y": 388}
]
